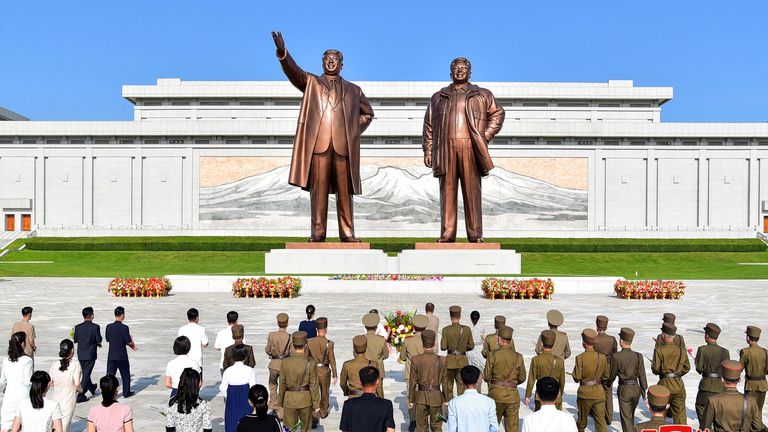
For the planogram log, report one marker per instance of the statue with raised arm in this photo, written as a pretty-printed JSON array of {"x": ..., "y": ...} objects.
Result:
[
  {"x": 461, "y": 120},
  {"x": 326, "y": 150}
]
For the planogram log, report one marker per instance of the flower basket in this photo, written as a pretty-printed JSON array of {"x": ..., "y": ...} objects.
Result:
[
  {"x": 649, "y": 290},
  {"x": 262, "y": 287},
  {"x": 139, "y": 287},
  {"x": 399, "y": 324},
  {"x": 529, "y": 289}
]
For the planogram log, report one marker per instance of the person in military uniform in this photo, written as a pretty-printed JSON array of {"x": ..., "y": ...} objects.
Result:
[
  {"x": 562, "y": 347},
  {"x": 709, "y": 360},
  {"x": 754, "y": 359},
  {"x": 457, "y": 340},
  {"x": 412, "y": 347},
  {"x": 426, "y": 385},
  {"x": 670, "y": 318},
  {"x": 543, "y": 365},
  {"x": 491, "y": 342},
  {"x": 607, "y": 346},
  {"x": 320, "y": 350},
  {"x": 670, "y": 363},
  {"x": 377, "y": 345},
  {"x": 731, "y": 411},
  {"x": 278, "y": 347},
  {"x": 590, "y": 371},
  {"x": 504, "y": 371},
  {"x": 238, "y": 333},
  {"x": 349, "y": 378},
  {"x": 658, "y": 402},
  {"x": 629, "y": 367},
  {"x": 299, "y": 390}
]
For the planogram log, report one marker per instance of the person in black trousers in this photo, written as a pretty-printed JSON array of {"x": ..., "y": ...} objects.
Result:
[
  {"x": 87, "y": 338},
  {"x": 119, "y": 336}
]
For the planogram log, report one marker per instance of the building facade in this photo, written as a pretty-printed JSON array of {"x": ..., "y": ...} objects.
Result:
[{"x": 209, "y": 158}]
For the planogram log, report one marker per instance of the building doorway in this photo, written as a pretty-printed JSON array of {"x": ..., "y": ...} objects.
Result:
[
  {"x": 26, "y": 222},
  {"x": 10, "y": 222}
]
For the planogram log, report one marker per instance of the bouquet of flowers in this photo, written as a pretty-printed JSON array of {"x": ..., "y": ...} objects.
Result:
[
  {"x": 535, "y": 288},
  {"x": 400, "y": 326},
  {"x": 643, "y": 289},
  {"x": 281, "y": 287},
  {"x": 137, "y": 287}
]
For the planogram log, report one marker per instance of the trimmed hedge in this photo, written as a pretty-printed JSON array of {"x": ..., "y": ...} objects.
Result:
[{"x": 389, "y": 245}]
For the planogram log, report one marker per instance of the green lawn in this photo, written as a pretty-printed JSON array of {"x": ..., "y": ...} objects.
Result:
[{"x": 667, "y": 265}]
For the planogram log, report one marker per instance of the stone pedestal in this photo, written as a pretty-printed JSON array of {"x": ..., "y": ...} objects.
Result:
[
  {"x": 456, "y": 260},
  {"x": 326, "y": 258},
  {"x": 458, "y": 246},
  {"x": 324, "y": 245}
]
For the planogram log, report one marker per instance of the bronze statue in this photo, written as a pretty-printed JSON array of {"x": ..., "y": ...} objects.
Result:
[
  {"x": 461, "y": 120},
  {"x": 326, "y": 150}
]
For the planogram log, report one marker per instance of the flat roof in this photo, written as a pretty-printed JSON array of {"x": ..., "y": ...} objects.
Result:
[{"x": 612, "y": 89}]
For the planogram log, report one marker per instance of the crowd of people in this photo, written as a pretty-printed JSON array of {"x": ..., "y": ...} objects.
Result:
[{"x": 302, "y": 368}]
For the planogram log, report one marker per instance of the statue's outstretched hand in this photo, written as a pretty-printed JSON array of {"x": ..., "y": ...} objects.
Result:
[{"x": 279, "y": 42}]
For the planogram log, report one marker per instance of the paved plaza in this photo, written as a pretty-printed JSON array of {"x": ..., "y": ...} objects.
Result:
[{"x": 154, "y": 323}]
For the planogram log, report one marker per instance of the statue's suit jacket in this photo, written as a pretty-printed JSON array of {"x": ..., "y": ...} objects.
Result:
[{"x": 357, "y": 112}]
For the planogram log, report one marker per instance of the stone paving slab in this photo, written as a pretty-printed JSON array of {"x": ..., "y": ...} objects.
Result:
[{"x": 154, "y": 323}]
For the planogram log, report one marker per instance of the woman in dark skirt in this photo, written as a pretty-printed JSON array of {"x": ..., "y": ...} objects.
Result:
[
  {"x": 235, "y": 383},
  {"x": 259, "y": 420}
]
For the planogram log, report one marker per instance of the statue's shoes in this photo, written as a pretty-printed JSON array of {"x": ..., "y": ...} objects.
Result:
[{"x": 351, "y": 240}]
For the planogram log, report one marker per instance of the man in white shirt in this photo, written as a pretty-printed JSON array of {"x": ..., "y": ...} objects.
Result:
[
  {"x": 548, "y": 418},
  {"x": 224, "y": 338},
  {"x": 197, "y": 337},
  {"x": 472, "y": 411}
]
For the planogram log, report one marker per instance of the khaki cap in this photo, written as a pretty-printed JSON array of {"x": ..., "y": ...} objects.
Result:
[
  {"x": 420, "y": 322},
  {"x": 498, "y": 321},
  {"x": 712, "y": 330},
  {"x": 589, "y": 336},
  {"x": 669, "y": 318},
  {"x": 455, "y": 311},
  {"x": 299, "y": 338},
  {"x": 321, "y": 323},
  {"x": 238, "y": 331},
  {"x": 360, "y": 344},
  {"x": 371, "y": 320},
  {"x": 602, "y": 322},
  {"x": 753, "y": 331},
  {"x": 548, "y": 337},
  {"x": 505, "y": 332},
  {"x": 669, "y": 329},
  {"x": 555, "y": 318},
  {"x": 658, "y": 395},
  {"x": 627, "y": 334},
  {"x": 428, "y": 338},
  {"x": 731, "y": 369},
  {"x": 282, "y": 319}
]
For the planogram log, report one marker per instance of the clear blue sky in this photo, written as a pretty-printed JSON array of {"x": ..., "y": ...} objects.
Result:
[{"x": 66, "y": 60}]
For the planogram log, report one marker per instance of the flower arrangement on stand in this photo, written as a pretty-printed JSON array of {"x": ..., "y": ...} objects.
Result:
[
  {"x": 139, "y": 287},
  {"x": 649, "y": 290},
  {"x": 263, "y": 287},
  {"x": 536, "y": 288},
  {"x": 386, "y": 277},
  {"x": 399, "y": 324}
]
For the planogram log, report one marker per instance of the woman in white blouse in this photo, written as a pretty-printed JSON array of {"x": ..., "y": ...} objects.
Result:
[
  {"x": 15, "y": 376},
  {"x": 175, "y": 367},
  {"x": 235, "y": 383},
  {"x": 66, "y": 376},
  {"x": 38, "y": 413}
]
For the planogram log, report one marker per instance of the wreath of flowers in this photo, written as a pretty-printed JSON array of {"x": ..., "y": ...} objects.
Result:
[
  {"x": 263, "y": 287},
  {"x": 649, "y": 290},
  {"x": 139, "y": 287},
  {"x": 496, "y": 288}
]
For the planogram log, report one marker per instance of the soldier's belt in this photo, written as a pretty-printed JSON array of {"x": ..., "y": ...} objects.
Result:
[
  {"x": 506, "y": 384},
  {"x": 756, "y": 378},
  {"x": 428, "y": 387},
  {"x": 631, "y": 381},
  {"x": 712, "y": 375},
  {"x": 276, "y": 357},
  {"x": 322, "y": 365},
  {"x": 589, "y": 383},
  {"x": 457, "y": 353},
  {"x": 355, "y": 392},
  {"x": 297, "y": 388},
  {"x": 671, "y": 375}
]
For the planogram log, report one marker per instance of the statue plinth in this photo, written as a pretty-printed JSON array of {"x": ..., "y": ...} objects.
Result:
[
  {"x": 458, "y": 246},
  {"x": 328, "y": 245}
]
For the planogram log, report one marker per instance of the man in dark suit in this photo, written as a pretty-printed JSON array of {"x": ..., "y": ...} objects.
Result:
[
  {"x": 119, "y": 336},
  {"x": 87, "y": 338},
  {"x": 367, "y": 412}
]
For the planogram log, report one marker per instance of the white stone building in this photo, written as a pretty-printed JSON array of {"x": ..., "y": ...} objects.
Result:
[{"x": 207, "y": 158}]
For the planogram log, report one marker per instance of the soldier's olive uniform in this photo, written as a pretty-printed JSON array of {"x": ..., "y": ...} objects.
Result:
[
  {"x": 456, "y": 339},
  {"x": 709, "y": 360},
  {"x": 278, "y": 347},
  {"x": 657, "y": 396},
  {"x": 629, "y": 367},
  {"x": 504, "y": 371},
  {"x": 606, "y": 345},
  {"x": 755, "y": 361},
  {"x": 320, "y": 350},
  {"x": 590, "y": 371},
  {"x": 299, "y": 389},
  {"x": 543, "y": 365},
  {"x": 731, "y": 411},
  {"x": 426, "y": 387},
  {"x": 670, "y": 364}
]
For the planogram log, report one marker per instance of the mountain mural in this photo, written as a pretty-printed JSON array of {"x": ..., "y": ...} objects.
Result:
[{"x": 393, "y": 196}]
